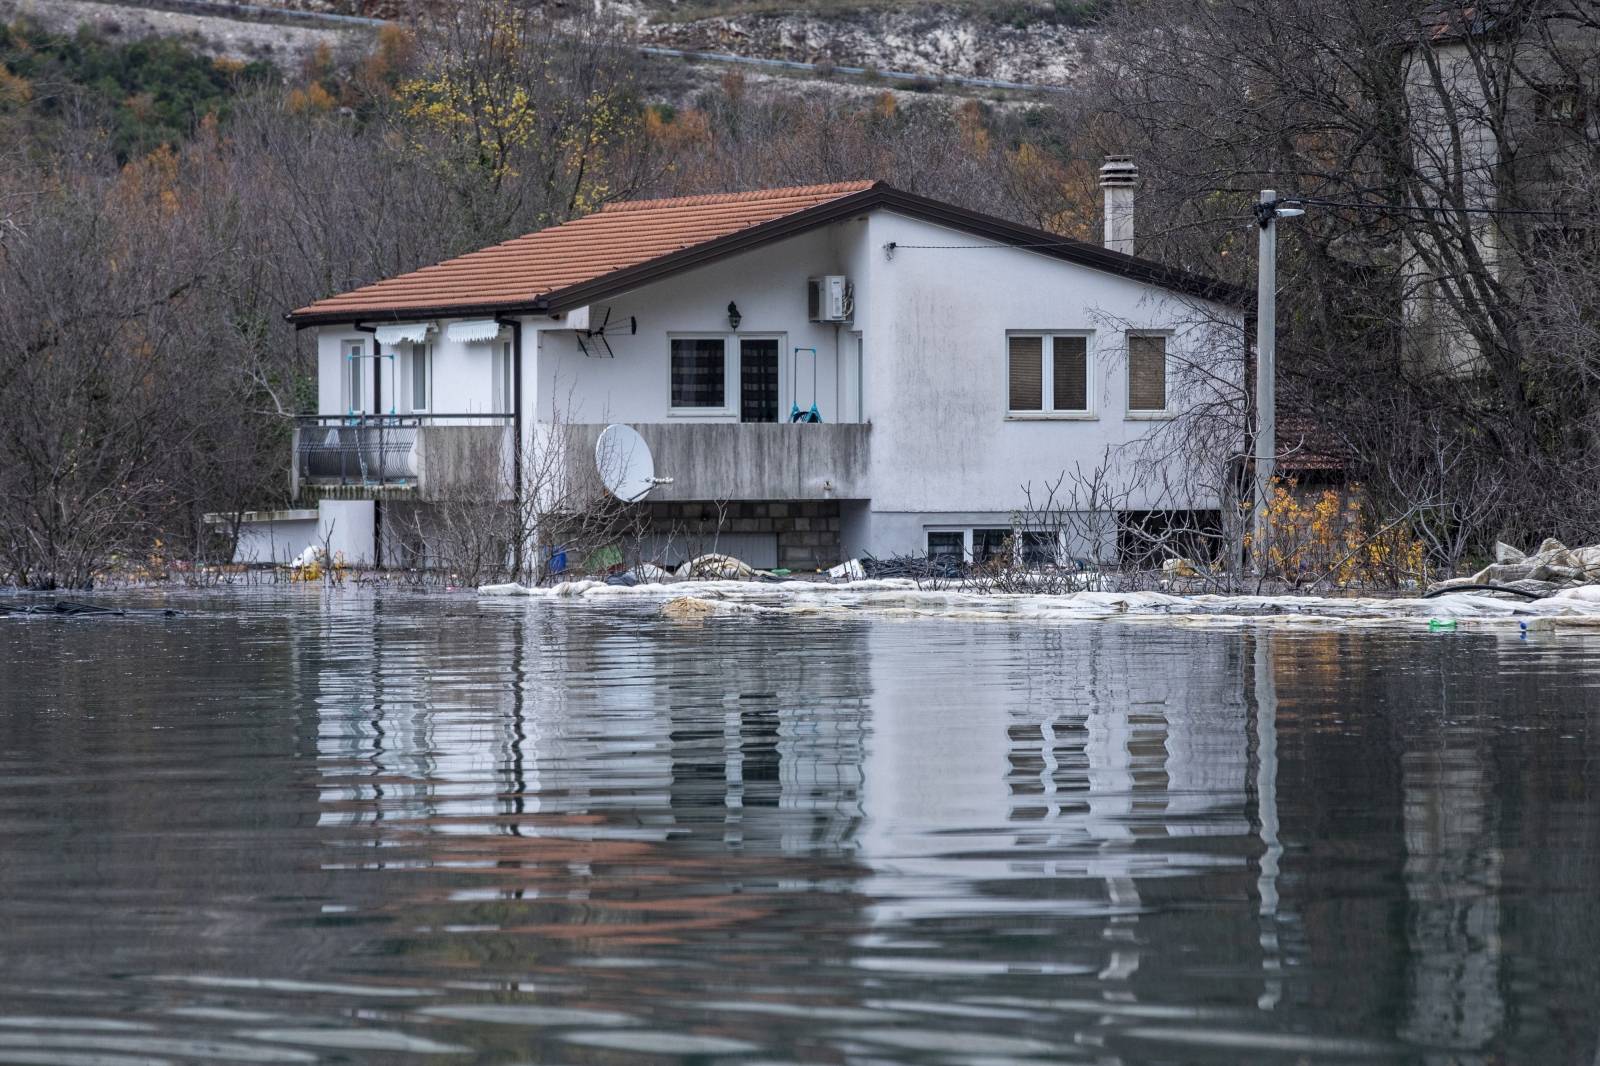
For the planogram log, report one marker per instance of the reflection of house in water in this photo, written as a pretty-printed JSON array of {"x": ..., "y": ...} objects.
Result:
[
  {"x": 1453, "y": 878},
  {"x": 1084, "y": 774},
  {"x": 650, "y": 733},
  {"x": 589, "y": 780},
  {"x": 1421, "y": 818},
  {"x": 1149, "y": 818}
]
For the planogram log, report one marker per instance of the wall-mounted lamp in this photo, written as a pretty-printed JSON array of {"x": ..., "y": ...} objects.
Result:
[{"x": 734, "y": 317}]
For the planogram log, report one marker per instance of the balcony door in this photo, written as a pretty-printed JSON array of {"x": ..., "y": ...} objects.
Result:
[
  {"x": 758, "y": 379},
  {"x": 354, "y": 396}
]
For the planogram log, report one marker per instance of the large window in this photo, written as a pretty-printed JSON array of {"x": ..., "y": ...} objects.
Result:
[
  {"x": 421, "y": 376},
  {"x": 1047, "y": 373},
  {"x": 699, "y": 373},
  {"x": 1147, "y": 374}
]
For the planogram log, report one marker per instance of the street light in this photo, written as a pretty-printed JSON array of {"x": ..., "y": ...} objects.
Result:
[{"x": 1268, "y": 211}]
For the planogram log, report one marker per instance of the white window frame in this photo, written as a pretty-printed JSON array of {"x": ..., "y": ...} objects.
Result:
[
  {"x": 730, "y": 375},
  {"x": 1048, "y": 385},
  {"x": 855, "y": 382},
  {"x": 1128, "y": 412},
  {"x": 968, "y": 540},
  {"x": 502, "y": 376},
  {"x": 353, "y": 397},
  {"x": 424, "y": 351}
]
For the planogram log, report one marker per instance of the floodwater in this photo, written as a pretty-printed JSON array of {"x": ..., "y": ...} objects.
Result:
[{"x": 349, "y": 828}]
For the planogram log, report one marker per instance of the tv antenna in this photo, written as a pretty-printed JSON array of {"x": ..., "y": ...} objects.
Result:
[{"x": 593, "y": 342}]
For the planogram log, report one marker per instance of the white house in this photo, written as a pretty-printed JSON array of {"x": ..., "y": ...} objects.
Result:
[{"x": 956, "y": 362}]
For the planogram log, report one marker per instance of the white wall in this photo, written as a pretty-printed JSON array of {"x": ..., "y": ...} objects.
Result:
[
  {"x": 935, "y": 327},
  {"x": 769, "y": 286},
  {"x": 346, "y": 527},
  {"x": 277, "y": 537},
  {"x": 462, "y": 373}
]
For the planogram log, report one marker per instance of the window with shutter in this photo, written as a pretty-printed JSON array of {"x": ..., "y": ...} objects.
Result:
[
  {"x": 1147, "y": 373},
  {"x": 1048, "y": 374},
  {"x": 1069, "y": 357},
  {"x": 1026, "y": 370}
]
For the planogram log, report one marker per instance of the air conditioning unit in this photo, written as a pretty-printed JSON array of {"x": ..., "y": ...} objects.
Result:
[{"x": 830, "y": 298}]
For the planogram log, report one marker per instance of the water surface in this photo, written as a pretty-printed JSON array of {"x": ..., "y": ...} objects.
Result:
[{"x": 357, "y": 828}]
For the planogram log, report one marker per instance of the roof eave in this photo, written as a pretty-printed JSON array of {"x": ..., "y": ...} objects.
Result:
[{"x": 306, "y": 317}]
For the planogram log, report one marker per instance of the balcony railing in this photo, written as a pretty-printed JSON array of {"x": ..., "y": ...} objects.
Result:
[{"x": 384, "y": 452}]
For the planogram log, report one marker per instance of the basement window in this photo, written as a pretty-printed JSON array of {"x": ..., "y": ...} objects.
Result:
[
  {"x": 1047, "y": 374},
  {"x": 1039, "y": 547},
  {"x": 947, "y": 546},
  {"x": 990, "y": 544},
  {"x": 699, "y": 374}
]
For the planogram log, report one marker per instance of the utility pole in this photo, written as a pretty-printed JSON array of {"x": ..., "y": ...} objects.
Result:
[{"x": 1266, "y": 372}]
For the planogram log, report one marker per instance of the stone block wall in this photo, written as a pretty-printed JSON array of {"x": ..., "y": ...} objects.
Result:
[{"x": 807, "y": 531}]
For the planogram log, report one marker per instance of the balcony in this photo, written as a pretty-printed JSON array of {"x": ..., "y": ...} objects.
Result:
[
  {"x": 418, "y": 457},
  {"x": 749, "y": 460}
]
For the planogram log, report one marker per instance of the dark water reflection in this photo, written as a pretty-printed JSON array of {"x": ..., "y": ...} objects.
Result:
[{"x": 391, "y": 830}]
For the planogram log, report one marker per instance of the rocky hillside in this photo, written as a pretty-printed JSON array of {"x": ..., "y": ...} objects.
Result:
[
  {"x": 1033, "y": 42},
  {"x": 937, "y": 40}
]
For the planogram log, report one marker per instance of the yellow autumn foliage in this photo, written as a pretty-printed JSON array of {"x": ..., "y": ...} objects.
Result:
[
  {"x": 1315, "y": 536},
  {"x": 312, "y": 98},
  {"x": 15, "y": 90}
]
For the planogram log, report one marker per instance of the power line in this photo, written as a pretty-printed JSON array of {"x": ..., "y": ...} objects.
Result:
[
  {"x": 1065, "y": 242},
  {"x": 1425, "y": 208}
]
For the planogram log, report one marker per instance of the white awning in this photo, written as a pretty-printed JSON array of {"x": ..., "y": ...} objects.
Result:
[
  {"x": 473, "y": 329},
  {"x": 399, "y": 332}
]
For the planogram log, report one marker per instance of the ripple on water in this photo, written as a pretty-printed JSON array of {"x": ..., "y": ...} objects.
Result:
[
  {"x": 197, "y": 1049},
  {"x": 356, "y": 1040},
  {"x": 663, "y": 1042},
  {"x": 527, "y": 1014}
]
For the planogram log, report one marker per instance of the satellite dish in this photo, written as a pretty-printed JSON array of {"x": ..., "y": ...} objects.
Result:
[{"x": 626, "y": 467}]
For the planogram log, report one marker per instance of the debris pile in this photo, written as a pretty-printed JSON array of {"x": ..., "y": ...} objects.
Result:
[{"x": 1550, "y": 569}]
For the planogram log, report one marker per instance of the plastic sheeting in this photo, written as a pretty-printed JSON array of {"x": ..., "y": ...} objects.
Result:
[{"x": 1576, "y": 609}]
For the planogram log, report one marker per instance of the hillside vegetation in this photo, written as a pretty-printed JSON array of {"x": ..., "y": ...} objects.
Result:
[{"x": 144, "y": 93}]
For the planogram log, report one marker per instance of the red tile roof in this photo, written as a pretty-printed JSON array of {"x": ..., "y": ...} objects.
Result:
[
  {"x": 520, "y": 271},
  {"x": 1305, "y": 445}
]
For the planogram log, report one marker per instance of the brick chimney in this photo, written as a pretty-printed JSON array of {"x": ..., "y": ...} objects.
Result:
[{"x": 1118, "y": 176}]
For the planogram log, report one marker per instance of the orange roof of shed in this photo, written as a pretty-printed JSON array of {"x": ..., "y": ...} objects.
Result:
[{"x": 524, "y": 269}]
